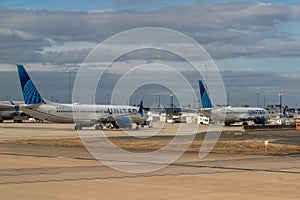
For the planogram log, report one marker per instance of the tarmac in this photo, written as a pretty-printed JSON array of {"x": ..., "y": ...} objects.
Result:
[{"x": 45, "y": 172}]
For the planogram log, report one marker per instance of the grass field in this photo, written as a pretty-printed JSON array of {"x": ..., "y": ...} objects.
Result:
[{"x": 255, "y": 147}]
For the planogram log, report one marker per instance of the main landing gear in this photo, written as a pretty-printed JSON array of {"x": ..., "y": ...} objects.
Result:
[
  {"x": 98, "y": 127},
  {"x": 78, "y": 127}
]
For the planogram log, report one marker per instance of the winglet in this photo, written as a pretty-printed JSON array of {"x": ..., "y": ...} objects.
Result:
[
  {"x": 206, "y": 102},
  {"x": 12, "y": 103},
  {"x": 16, "y": 107},
  {"x": 30, "y": 93}
]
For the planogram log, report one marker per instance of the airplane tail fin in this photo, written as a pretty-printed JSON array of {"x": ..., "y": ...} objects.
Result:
[
  {"x": 141, "y": 109},
  {"x": 30, "y": 93},
  {"x": 206, "y": 102}
]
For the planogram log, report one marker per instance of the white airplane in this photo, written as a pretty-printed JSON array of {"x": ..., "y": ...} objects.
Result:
[
  {"x": 12, "y": 112},
  {"x": 230, "y": 114},
  {"x": 119, "y": 116}
]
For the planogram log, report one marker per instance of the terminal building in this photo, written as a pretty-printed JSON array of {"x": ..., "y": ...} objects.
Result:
[{"x": 284, "y": 111}]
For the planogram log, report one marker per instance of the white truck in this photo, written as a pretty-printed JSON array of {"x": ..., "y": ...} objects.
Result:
[{"x": 202, "y": 120}]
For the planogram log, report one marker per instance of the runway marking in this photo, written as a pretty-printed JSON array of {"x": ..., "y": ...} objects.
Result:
[
  {"x": 108, "y": 178},
  {"x": 226, "y": 170},
  {"x": 175, "y": 164},
  {"x": 27, "y": 174},
  {"x": 216, "y": 169}
]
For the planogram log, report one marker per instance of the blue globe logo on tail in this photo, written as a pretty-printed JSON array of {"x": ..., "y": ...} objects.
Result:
[
  {"x": 30, "y": 93},
  {"x": 206, "y": 103}
]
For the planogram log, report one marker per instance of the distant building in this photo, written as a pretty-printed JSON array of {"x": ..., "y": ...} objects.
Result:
[
  {"x": 273, "y": 109},
  {"x": 288, "y": 112}
]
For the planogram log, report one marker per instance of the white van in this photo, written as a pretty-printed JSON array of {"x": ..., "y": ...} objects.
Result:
[{"x": 203, "y": 120}]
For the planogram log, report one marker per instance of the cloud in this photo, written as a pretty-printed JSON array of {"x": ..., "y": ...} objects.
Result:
[
  {"x": 56, "y": 40},
  {"x": 226, "y": 30},
  {"x": 243, "y": 86},
  {"x": 133, "y": 1},
  {"x": 67, "y": 47},
  {"x": 15, "y": 33}
]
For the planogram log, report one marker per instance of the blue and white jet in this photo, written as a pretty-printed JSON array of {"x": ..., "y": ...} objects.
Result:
[
  {"x": 120, "y": 116},
  {"x": 230, "y": 114},
  {"x": 12, "y": 112}
]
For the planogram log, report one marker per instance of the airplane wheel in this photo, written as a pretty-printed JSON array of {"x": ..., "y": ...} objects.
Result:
[
  {"x": 227, "y": 124},
  {"x": 78, "y": 127},
  {"x": 137, "y": 127},
  {"x": 1, "y": 120},
  {"x": 245, "y": 123},
  {"x": 98, "y": 127}
]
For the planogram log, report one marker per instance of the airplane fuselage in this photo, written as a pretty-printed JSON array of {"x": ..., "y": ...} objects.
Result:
[
  {"x": 84, "y": 114},
  {"x": 237, "y": 114}
]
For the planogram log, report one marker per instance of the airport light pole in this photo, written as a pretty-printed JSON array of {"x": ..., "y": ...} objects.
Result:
[
  {"x": 280, "y": 102},
  {"x": 228, "y": 99},
  {"x": 77, "y": 99},
  {"x": 172, "y": 103},
  {"x": 257, "y": 99},
  {"x": 205, "y": 65},
  {"x": 159, "y": 100},
  {"x": 70, "y": 84}
]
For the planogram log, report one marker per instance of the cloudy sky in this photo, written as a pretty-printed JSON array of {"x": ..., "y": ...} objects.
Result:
[{"x": 256, "y": 45}]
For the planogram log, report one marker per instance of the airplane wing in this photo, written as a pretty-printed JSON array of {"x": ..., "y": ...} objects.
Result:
[
  {"x": 206, "y": 109},
  {"x": 206, "y": 112},
  {"x": 31, "y": 105},
  {"x": 6, "y": 107}
]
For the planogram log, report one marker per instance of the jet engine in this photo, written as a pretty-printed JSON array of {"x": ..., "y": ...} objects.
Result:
[
  {"x": 123, "y": 122},
  {"x": 260, "y": 120}
]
